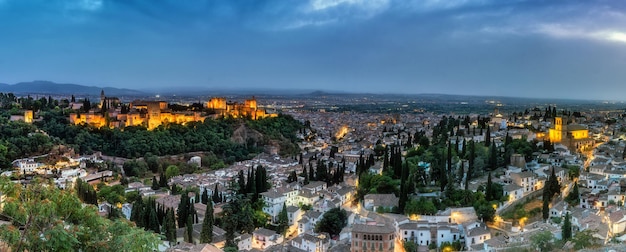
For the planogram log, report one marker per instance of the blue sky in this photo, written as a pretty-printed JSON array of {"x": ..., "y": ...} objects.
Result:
[{"x": 561, "y": 49}]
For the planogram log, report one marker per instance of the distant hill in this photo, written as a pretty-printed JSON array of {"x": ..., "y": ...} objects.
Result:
[{"x": 48, "y": 87}]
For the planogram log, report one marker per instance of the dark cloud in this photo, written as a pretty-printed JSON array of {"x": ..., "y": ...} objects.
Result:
[{"x": 565, "y": 49}]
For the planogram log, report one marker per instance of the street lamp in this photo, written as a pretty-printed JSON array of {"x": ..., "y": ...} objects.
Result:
[{"x": 521, "y": 223}]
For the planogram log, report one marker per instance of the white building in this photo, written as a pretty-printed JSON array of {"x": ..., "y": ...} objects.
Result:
[
  {"x": 27, "y": 165},
  {"x": 514, "y": 192},
  {"x": 274, "y": 202},
  {"x": 311, "y": 243},
  {"x": 127, "y": 209},
  {"x": 308, "y": 221},
  {"x": 476, "y": 233},
  {"x": 424, "y": 233},
  {"x": 263, "y": 238},
  {"x": 195, "y": 160},
  {"x": 245, "y": 242},
  {"x": 527, "y": 180}
]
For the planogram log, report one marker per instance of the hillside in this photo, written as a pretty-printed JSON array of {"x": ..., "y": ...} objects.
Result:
[{"x": 48, "y": 87}]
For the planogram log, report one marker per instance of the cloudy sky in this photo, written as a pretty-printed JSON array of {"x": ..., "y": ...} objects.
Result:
[{"x": 562, "y": 49}]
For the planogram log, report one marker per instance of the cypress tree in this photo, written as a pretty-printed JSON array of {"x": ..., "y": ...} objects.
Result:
[
  {"x": 242, "y": 182},
  {"x": 155, "y": 183},
  {"x": 403, "y": 187},
  {"x": 206, "y": 236},
  {"x": 189, "y": 232},
  {"x": 343, "y": 170},
  {"x": 545, "y": 210},
  {"x": 170, "y": 225},
  {"x": 250, "y": 186},
  {"x": 205, "y": 197},
  {"x": 136, "y": 214},
  {"x": 283, "y": 220},
  {"x": 449, "y": 160},
  {"x": 306, "y": 177},
  {"x": 192, "y": 212},
  {"x": 493, "y": 157},
  {"x": 312, "y": 174},
  {"x": 553, "y": 183},
  {"x": 566, "y": 229},
  {"x": 162, "y": 180},
  {"x": 153, "y": 223},
  {"x": 470, "y": 167},
  {"x": 305, "y": 174},
  {"x": 443, "y": 176},
  {"x": 460, "y": 172},
  {"x": 216, "y": 196},
  {"x": 489, "y": 189},
  {"x": 183, "y": 210}
]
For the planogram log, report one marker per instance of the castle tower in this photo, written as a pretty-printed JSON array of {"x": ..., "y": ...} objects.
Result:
[
  {"x": 102, "y": 98},
  {"x": 28, "y": 116},
  {"x": 558, "y": 123}
]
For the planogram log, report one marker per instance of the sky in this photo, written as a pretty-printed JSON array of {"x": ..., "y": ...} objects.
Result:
[{"x": 535, "y": 48}]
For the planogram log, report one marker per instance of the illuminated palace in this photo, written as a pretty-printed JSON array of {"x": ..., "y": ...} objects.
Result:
[
  {"x": 152, "y": 114},
  {"x": 247, "y": 109},
  {"x": 573, "y": 136}
]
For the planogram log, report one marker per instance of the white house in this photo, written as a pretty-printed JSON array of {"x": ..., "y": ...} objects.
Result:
[
  {"x": 263, "y": 238},
  {"x": 424, "y": 233},
  {"x": 315, "y": 186},
  {"x": 558, "y": 210},
  {"x": 27, "y": 165},
  {"x": 514, "y": 192},
  {"x": 306, "y": 197},
  {"x": 273, "y": 204},
  {"x": 345, "y": 194},
  {"x": 447, "y": 233},
  {"x": 311, "y": 243},
  {"x": 476, "y": 234},
  {"x": 526, "y": 180},
  {"x": 617, "y": 222},
  {"x": 616, "y": 196},
  {"x": 127, "y": 209},
  {"x": 308, "y": 221},
  {"x": 245, "y": 242},
  {"x": 294, "y": 214}
]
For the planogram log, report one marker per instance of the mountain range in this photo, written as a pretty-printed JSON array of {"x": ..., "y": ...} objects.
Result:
[{"x": 51, "y": 88}]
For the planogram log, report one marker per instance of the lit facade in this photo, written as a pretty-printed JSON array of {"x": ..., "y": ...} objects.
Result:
[
  {"x": 378, "y": 237},
  {"x": 233, "y": 109},
  {"x": 152, "y": 114},
  {"x": 573, "y": 136}
]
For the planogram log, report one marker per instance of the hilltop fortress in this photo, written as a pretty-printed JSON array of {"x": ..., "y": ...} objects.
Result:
[{"x": 151, "y": 114}]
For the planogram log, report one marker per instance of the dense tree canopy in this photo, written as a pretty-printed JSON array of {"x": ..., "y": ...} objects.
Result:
[
  {"x": 332, "y": 221},
  {"x": 19, "y": 139},
  {"x": 55, "y": 220},
  {"x": 210, "y": 135}
]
